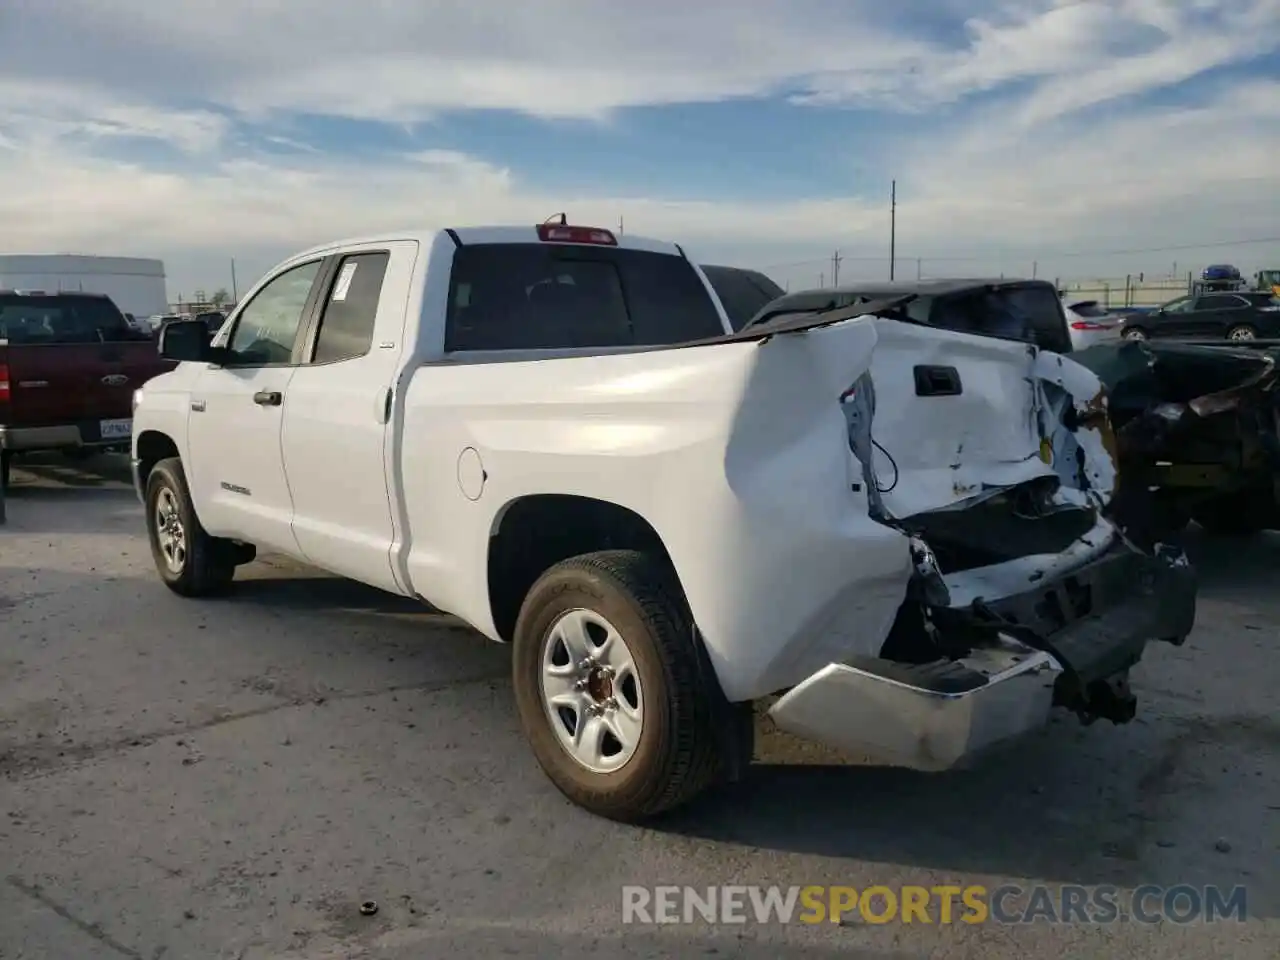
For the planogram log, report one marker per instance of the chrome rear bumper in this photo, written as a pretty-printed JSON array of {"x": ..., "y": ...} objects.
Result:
[
  {"x": 893, "y": 721},
  {"x": 1068, "y": 643}
]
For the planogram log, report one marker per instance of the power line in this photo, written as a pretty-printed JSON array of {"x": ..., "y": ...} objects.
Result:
[{"x": 1043, "y": 255}]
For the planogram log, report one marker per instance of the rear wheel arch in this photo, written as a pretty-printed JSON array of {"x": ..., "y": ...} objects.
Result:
[{"x": 531, "y": 534}]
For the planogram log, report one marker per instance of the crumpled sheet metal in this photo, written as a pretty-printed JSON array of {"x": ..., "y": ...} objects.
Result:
[{"x": 1086, "y": 454}]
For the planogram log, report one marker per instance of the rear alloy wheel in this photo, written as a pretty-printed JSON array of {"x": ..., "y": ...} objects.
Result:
[
  {"x": 1242, "y": 332},
  {"x": 1134, "y": 333},
  {"x": 609, "y": 688},
  {"x": 591, "y": 691},
  {"x": 190, "y": 562}
]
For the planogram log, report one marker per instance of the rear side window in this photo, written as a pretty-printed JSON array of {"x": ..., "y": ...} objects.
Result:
[
  {"x": 543, "y": 296},
  {"x": 1030, "y": 313},
  {"x": 61, "y": 319},
  {"x": 1220, "y": 303},
  {"x": 346, "y": 325}
]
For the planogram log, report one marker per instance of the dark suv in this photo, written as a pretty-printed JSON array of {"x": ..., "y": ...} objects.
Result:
[{"x": 1209, "y": 316}]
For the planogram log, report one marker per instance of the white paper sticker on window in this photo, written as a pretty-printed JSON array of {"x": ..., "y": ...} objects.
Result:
[{"x": 344, "y": 281}]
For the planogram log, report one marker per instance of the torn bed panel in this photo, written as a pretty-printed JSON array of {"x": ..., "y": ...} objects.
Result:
[{"x": 945, "y": 420}]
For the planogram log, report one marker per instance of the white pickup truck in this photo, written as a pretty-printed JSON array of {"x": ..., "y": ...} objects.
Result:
[{"x": 894, "y": 534}]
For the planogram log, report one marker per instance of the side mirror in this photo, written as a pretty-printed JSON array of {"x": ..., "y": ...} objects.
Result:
[{"x": 184, "y": 341}]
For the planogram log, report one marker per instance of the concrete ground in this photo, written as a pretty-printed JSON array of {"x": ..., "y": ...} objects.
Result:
[{"x": 231, "y": 778}]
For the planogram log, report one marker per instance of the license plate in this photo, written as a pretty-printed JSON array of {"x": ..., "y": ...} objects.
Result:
[{"x": 116, "y": 429}]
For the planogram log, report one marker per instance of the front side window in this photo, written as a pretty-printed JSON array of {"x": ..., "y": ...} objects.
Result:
[
  {"x": 267, "y": 328},
  {"x": 1182, "y": 305}
]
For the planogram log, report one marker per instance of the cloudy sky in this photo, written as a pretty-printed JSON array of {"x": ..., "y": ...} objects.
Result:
[{"x": 1087, "y": 138}]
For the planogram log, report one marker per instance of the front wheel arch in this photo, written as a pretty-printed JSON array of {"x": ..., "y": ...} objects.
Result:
[{"x": 152, "y": 447}]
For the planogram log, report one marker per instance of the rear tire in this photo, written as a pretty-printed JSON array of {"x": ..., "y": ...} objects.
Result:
[
  {"x": 190, "y": 562},
  {"x": 1133, "y": 333},
  {"x": 1242, "y": 331},
  {"x": 627, "y": 609}
]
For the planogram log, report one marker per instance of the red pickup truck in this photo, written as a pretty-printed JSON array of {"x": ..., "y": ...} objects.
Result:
[{"x": 69, "y": 363}]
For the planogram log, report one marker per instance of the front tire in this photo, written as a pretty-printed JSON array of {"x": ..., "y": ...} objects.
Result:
[
  {"x": 1134, "y": 333},
  {"x": 190, "y": 562},
  {"x": 609, "y": 688}
]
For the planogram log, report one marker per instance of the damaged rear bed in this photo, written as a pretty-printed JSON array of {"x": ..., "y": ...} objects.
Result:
[{"x": 998, "y": 461}]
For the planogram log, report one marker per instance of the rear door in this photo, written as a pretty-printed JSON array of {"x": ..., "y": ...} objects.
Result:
[
  {"x": 1215, "y": 314},
  {"x": 336, "y": 414}
]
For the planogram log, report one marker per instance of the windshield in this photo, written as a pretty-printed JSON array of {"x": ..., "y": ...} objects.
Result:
[{"x": 61, "y": 319}]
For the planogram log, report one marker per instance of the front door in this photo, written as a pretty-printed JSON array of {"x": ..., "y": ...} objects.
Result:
[
  {"x": 235, "y": 466},
  {"x": 1175, "y": 319}
]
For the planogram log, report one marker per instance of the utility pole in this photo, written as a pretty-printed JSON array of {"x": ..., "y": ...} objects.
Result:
[
  {"x": 1035, "y": 265},
  {"x": 822, "y": 280},
  {"x": 619, "y": 224},
  {"x": 835, "y": 268},
  {"x": 235, "y": 294},
  {"x": 893, "y": 227}
]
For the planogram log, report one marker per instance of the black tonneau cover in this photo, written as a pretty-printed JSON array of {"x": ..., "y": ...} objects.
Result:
[{"x": 800, "y": 322}]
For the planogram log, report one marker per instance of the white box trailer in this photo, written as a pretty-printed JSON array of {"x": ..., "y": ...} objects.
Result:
[{"x": 135, "y": 284}]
